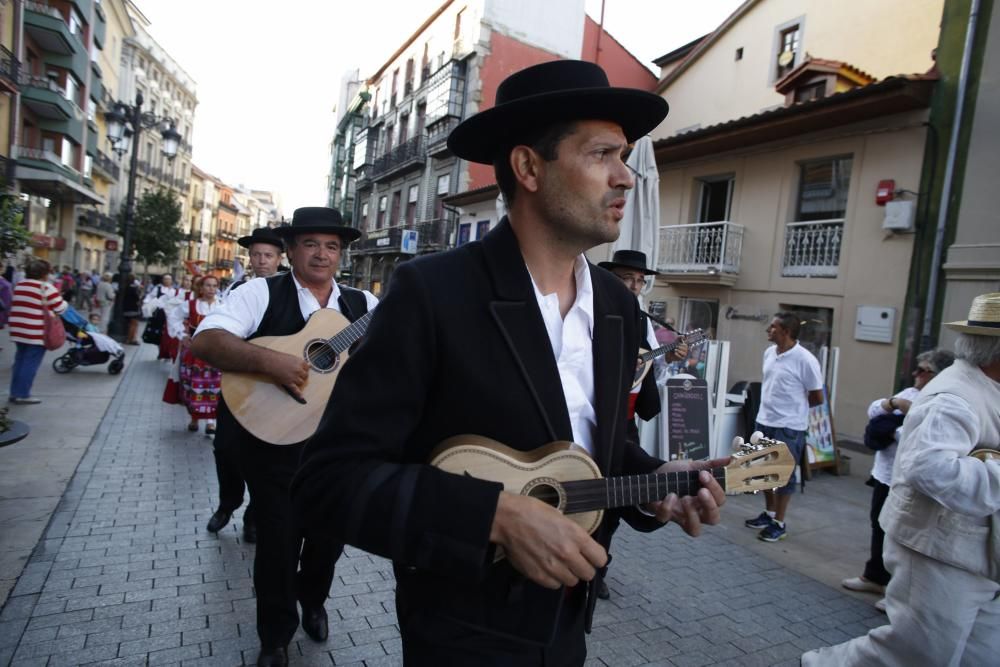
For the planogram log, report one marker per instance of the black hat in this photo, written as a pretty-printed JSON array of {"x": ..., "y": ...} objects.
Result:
[
  {"x": 629, "y": 259},
  {"x": 555, "y": 91},
  {"x": 320, "y": 220},
  {"x": 261, "y": 235}
]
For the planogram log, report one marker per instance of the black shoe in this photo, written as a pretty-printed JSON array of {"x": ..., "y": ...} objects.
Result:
[
  {"x": 275, "y": 657},
  {"x": 602, "y": 591},
  {"x": 218, "y": 521},
  {"x": 314, "y": 622},
  {"x": 249, "y": 532}
]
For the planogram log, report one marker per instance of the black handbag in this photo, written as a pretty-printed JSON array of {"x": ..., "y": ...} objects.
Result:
[
  {"x": 154, "y": 327},
  {"x": 881, "y": 431}
]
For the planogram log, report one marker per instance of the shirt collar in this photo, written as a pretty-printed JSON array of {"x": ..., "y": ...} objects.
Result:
[
  {"x": 334, "y": 296},
  {"x": 584, "y": 289}
]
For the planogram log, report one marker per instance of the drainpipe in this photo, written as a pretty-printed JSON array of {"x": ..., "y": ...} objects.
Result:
[{"x": 927, "y": 338}]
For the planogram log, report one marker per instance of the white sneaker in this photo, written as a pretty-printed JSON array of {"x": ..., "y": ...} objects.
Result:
[
  {"x": 880, "y": 605},
  {"x": 863, "y": 585}
]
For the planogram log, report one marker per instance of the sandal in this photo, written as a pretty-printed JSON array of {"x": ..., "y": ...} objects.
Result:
[{"x": 193, "y": 426}]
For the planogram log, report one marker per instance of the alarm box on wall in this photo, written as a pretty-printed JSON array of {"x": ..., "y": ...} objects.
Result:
[
  {"x": 899, "y": 216},
  {"x": 875, "y": 324}
]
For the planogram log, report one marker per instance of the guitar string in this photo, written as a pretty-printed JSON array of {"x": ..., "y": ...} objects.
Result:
[
  {"x": 587, "y": 492},
  {"x": 327, "y": 346}
]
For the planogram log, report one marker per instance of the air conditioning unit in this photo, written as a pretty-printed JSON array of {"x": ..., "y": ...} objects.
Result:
[{"x": 899, "y": 215}]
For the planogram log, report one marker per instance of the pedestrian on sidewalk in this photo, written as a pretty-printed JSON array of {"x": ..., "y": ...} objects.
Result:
[
  {"x": 6, "y": 298},
  {"x": 104, "y": 299},
  {"x": 294, "y": 561},
  {"x": 875, "y": 576},
  {"x": 555, "y": 344},
  {"x": 34, "y": 300},
  {"x": 199, "y": 383},
  {"x": 792, "y": 384},
  {"x": 942, "y": 517},
  {"x": 132, "y": 308},
  {"x": 265, "y": 248}
]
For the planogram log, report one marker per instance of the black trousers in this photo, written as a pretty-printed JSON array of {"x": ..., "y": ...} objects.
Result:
[
  {"x": 229, "y": 472},
  {"x": 288, "y": 567},
  {"x": 875, "y": 568}
]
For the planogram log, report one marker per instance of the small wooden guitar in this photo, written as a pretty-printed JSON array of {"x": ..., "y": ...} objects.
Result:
[
  {"x": 269, "y": 411},
  {"x": 564, "y": 476},
  {"x": 693, "y": 338}
]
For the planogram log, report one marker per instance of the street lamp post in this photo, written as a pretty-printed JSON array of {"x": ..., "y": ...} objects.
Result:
[{"x": 125, "y": 126}]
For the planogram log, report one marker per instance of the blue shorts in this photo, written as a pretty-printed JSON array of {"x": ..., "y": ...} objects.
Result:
[{"x": 796, "y": 441}]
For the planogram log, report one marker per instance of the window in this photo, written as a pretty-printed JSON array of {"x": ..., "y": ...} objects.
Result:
[
  {"x": 88, "y": 163},
  {"x": 75, "y": 23},
  {"x": 66, "y": 155},
  {"x": 411, "y": 205},
  {"x": 380, "y": 217},
  {"x": 812, "y": 91},
  {"x": 388, "y": 138},
  {"x": 91, "y": 109},
  {"x": 715, "y": 199},
  {"x": 458, "y": 23},
  {"x": 482, "y": 227},
  {"x": 364, "y": 216},
  {"x": 463, "y": 233},
  {"x": 788, "y": 50},
  {"x": 739, "y": 53},
  {"x": 394, "y": 213},
  {"x": 443, "y": 183},
  {"x": 823, "y": 186},
  {"x": 404, "y": 124}
]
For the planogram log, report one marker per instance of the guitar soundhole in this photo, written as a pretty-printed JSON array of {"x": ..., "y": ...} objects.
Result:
[
  {"x": 548, "y": 490},
  {"x": 322, "y": 357}
]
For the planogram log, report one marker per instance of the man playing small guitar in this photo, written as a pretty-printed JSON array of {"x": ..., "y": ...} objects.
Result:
[
  {"x": 280, "y": 306},
  {"x": 517, "y": 338}
]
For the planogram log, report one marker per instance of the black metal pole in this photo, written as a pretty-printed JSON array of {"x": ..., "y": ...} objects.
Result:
[{"x": 117, "y": 328}]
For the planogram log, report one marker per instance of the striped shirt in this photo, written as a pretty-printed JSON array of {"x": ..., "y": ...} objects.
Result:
[{"x": 27, "y": 315}]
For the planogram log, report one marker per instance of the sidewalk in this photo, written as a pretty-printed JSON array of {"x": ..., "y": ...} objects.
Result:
[{"x": 126, "y": 574}]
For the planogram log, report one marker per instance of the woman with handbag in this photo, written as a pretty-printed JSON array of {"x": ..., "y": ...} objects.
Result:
[{"x": 34, "y": 313}]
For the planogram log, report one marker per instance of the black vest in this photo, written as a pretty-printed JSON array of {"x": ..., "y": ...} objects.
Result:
[{"x": 282, "y": 318}]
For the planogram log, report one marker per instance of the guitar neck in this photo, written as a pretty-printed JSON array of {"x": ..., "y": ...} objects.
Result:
[
  {"x": 660, "y": 351},
  {"x": 351, "y": 334},
  {"x": 610, "y": 492}
]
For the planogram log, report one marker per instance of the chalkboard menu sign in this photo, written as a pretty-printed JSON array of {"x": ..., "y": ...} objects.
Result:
[{"x": 687, "y": 418}]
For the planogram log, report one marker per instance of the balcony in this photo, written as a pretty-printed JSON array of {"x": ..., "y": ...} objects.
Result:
[
  {"x": 812, "y": 249},
  {"x": 47, "y": 26},
  {"x": 98, "y": 222},
  {"x": 228, "y": 235},
  {"x": 432, "y": 236},
  {"x": 46, "y": 98},
  {"x": 405, "y": 157},
  {"x": 106, "y": 167},
  {"x": 437, "y": 135},
  {"x": 10, "y": 68},
  {"x": 707, "y": 253},
  {"x": 198, "y": 204},
  {"x": 363, "y": 176}
]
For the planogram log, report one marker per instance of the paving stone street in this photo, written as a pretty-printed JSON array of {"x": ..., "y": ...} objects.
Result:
[{"x": 125, "y": 573}]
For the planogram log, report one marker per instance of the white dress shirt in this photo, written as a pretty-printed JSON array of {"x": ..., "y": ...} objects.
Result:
[
  {"x": 572, "y": 341},
  {"x": 884, "y": 458},
  {"x": 244, "y": 309}
]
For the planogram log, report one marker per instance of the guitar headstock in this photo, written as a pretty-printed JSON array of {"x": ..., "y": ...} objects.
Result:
[
  {"x": 694, "y": 337},
  {"x": 762, "y": 464}
]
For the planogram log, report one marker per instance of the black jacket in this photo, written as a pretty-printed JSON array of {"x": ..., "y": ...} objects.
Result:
[{"x": 458, "y": 346}]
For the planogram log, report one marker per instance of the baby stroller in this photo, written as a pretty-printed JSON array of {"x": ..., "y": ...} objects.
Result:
[{"x": 89, "y": 348}]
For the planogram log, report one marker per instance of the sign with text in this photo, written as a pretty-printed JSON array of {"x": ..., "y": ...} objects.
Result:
[
  {"x": 408, "y": 242},
  {"x": 687, "y": 418}
]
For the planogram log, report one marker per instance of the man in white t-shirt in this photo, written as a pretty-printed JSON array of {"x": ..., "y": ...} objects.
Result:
[{"x": 793, "y": 383}]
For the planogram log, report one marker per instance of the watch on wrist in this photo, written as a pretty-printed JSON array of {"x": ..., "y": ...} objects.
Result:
[{"x": 892, "y": 402}]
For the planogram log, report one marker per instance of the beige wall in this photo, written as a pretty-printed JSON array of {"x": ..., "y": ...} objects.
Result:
[
  {"x": 874, "y": 265},
  {"x": 887, "y": 37}
]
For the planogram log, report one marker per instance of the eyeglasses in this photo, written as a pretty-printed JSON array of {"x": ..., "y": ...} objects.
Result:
[{"x": 923, "y": 369}]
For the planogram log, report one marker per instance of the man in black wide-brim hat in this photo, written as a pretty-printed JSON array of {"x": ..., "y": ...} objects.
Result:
[{"x": 516, "y": 338}]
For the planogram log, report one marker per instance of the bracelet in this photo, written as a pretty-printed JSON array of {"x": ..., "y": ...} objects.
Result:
[{"x": 892, "y": 403}]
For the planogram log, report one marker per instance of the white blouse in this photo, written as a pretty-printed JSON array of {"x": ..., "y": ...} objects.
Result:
[{"x": 177, "y": 315}]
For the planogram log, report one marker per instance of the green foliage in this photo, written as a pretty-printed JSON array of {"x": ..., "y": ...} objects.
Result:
[
  {"x": 156, "y": 233},
  {"x": 14, "y": 236}
]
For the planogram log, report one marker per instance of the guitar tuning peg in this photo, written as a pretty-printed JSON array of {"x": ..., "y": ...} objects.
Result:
[
  {"x": 738, "y": 444},
  {"x": 756, "y": 437}
]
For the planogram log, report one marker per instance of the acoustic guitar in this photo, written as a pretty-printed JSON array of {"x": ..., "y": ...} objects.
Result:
[
  {"x": 564, "y": 476},
  {"x": 269, "y": 411},
  {"x": 693, "y": 338}
]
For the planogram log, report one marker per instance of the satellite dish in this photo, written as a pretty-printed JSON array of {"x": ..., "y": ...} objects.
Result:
[{"x": 786, "y": 58}]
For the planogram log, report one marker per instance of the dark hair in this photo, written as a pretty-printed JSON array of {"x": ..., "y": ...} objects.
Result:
[
  {"x": 789, "y": 322},
  {"x": 544, "y": 141},
  {"x": 37, "y": 269}
]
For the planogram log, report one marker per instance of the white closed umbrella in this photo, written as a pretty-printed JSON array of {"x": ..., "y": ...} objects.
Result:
[{"x": 640, "y": 228}]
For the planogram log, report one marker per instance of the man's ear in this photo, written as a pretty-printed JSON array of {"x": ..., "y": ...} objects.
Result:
[{"x": 526, "y": 163}]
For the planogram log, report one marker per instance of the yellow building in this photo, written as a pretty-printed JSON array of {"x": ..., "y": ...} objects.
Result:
[{"x": 9, "y": 66}]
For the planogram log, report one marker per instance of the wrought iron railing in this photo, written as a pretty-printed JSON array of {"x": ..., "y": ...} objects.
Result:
[
  {"x": 713, "y": 247},
  {"x": 99, "y": 221},
  {"x": 437, "y": 133},
  {"x": 10, "y": 67},
  {"x": 106, "y": 165},
  {"x": 432, "y": 236},
  {"x": 812, "y": 249},
  {"x": 411, "y": 153}
]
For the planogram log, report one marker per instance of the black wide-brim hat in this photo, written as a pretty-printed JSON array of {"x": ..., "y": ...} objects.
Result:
[
  {"x": 629, "y": 259},
  {"x": 318, "y": 220},
  {"x": 261, "y": 235},
  {"x": 560, "y": 90}
]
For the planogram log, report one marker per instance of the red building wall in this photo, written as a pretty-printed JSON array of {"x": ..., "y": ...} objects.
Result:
[{"x": 623, "y": 68}]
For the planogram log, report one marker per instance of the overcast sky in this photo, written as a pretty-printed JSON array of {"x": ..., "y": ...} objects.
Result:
[{"x": 268, "y": 72}]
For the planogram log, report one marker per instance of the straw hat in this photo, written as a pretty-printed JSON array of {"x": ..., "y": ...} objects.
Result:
[{"x": 984, "y": 316}]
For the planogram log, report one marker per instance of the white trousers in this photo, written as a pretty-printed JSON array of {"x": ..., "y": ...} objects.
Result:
[{"x": 939, "y": 616}]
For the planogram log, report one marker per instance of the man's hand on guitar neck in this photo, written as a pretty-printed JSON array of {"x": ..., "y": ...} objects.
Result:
[
  {"x": 690, "y": 512},
  {"x": 680, "y": 352},
  {"x": 544, "y": 545}
]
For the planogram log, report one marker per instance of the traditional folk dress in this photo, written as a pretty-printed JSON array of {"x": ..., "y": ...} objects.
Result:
[{"x": 197, "y": 384}]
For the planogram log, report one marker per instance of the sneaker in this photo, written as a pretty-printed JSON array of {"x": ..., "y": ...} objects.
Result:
[
  {"x": 762, "y": 521},
  {"x": 862, "y": 585},
  {"x": 880, "y": 605},
  {"x": 26, "y": 401},
  {"x": 772, "y": 533}
]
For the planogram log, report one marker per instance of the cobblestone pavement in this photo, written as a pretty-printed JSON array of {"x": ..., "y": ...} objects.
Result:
[{"x": 126, "y": 575}]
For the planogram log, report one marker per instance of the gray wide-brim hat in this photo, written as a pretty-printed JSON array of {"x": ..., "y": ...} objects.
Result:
[
  {"x": 560, "y": 90},
  {"x": 984, "y": 317}
]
